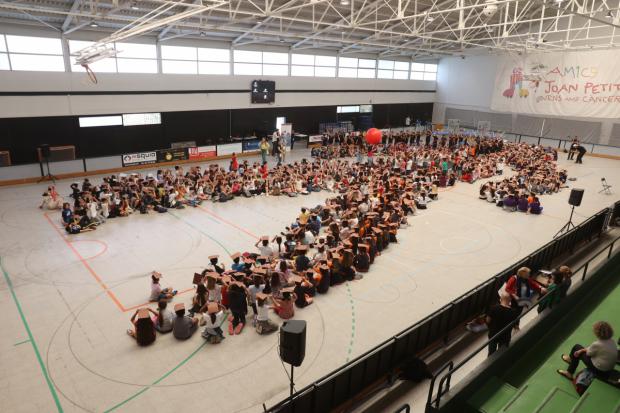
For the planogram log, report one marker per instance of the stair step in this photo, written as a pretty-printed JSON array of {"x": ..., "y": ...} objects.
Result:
[
  {"x": 521, "y": 402},
  {"x": 557, "y": 401},
  {"x": 600, "y": 397},
  {"x": 491, "y": 396}
]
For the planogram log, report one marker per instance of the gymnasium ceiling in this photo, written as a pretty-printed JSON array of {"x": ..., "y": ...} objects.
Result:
[{"x": 379, "y": 27}]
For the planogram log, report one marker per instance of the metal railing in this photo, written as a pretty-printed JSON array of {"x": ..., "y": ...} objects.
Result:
[
  {"x": 445, "y": 379},
  {"x": 365, "y": 370}
]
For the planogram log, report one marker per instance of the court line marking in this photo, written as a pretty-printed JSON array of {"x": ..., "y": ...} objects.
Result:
[
  {"x": 86, "y": 265},
  {"x": 105, "y": 247},
  {"x": 224, "y": 220},
  {"x": 21, "y": 342},
  {"x": 31, "y": 338}
]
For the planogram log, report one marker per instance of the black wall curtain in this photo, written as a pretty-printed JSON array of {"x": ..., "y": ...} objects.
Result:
[{"x": 22, "y": 136}]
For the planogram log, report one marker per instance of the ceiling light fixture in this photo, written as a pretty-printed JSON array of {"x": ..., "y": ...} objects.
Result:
[
  {"x": 609, "y": 15},
  {"x": 344, "y": 2},
  {"x": 93, "y": 24},
  {"x": 430, "y": 19},
  {"x": 134, "y": 6}
]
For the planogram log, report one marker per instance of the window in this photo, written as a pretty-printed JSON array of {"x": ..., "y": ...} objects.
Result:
[
  {"x": 136, "y": 65},
  {"x": 248, "y": 56},
  {"x": 424, "y": 71},
  {"x": 311, "y": 65},
  {"x": 353, "y": 67},
  {"x": 213, "y": 61},
  {"x": 136, "y": 58},
  {"x": 347, "y": 109},
  {"x": 91, "y": 121},
  {"x": 248, "y": 69},
  {"x": 260, "y": 63},
  {"x": 141, "y": 51},
  {"x": 133, "y": 119},
  {"x": 389, "y": 69},
  {"x": 179, "y": 53},
  {"x": 129, "y": 119},
  {"x": 32, "y": 53},
  {"x": 365, "y": 108}
]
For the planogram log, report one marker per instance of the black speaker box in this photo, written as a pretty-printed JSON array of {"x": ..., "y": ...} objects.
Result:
[
  {"x": 45, "y": 151},
  {"x": 576, "y": 195},
  {"x": 293, "y": 342}
]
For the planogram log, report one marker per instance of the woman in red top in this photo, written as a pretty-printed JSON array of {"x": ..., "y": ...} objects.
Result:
[
  {"x": 521, "y": 287},
  {"x": 234, "y": 163}
]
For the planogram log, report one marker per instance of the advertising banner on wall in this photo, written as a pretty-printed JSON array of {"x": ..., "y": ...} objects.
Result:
[
  {"x": 252, "y": 145},
  {"x": 584, "y": 84},
  {"x": 315, "y": 139},
  {"x": 170, "y": 155},
  {"x": 140, "y": 158},
  {"x": 202, "y": 152},
  {"x": 229, "y": 148}
]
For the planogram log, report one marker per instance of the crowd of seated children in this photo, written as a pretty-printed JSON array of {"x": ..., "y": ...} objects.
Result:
[{"x": 324, "y": 246}]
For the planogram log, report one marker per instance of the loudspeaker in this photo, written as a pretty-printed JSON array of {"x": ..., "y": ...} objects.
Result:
[
  {"x": 5, "y": 158},
  {"x": 44, "y": 152},
  {"x": 575, "y": 197},
  {"x": 293, "y": 342}
]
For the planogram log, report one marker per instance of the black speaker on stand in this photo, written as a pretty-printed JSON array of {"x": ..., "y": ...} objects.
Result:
[
  {"x": 293, "y": 346},
  {"x": 574, "y": 199},
  {"x": 45, "y": 157}
]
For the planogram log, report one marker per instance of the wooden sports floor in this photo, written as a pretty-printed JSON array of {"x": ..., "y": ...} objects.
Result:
[{"x": 67, "y": 300}]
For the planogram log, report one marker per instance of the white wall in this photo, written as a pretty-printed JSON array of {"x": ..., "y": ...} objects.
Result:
[
  {"x": 28, "y": 106},
  {"x": 468, "y": 84}
]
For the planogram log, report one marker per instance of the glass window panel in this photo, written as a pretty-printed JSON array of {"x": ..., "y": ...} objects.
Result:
[
  {"x": 136, "y": 66},
  {"x": 276, "y": 58},
  {"x": 348, "y": 62},
  {"x": 430, "y": 76},
  {"x": 144, "y": 51},
  {"x": 248, "y": 69},
  {"x": 91, "y": 121},
  {"x": 399, "y": 74},
  {"x": 367, "y": 63},
  {"x": 214, "y": 55},
  {"x": 2, "y": 43},
  {"x": 320, "y": 71},
  {"x": 275, "y": 70},
  {"x": 179, "y": 53},
  {"x": 100, "y": 66},
  {"x": 39, "y": 63},
  {"x": 302, "y": 59},
  {"x": 417, "y": 75},
  {"x": 248, "y": 56},
  {"x": 348, "y": 109},
  {"x": 4, "y": 61},
  {"x": 366, "y": 73},
  {"x": 325, "y": 61},
  {"x": 385, "y": 74},
  {"x": 386, "y": 64},
  {"x": 77, "y": 45},
  {"x": 133, "y": 119},
  {"x": 417, "y": 67},
  {"x": 401, "y": 66},
  {"x": 179, "y": 66},
  {"x": 27, "y": 44},
  {"x": 213, "y": 68},
  {"x": 302, "y": 71},
  {"x": 365, "y": 108},
  {"x": 430, "y": 67},
  {"x": 347, "y": 72}
]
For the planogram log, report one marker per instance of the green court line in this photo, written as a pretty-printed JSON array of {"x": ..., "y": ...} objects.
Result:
[
  {"x": 130, "y": 398},
  {"x": 31, "y": 338},
  {"x": 201, "y": 231},
  {"x": 352, "y": 341},
  {"x": 21, "y": 342},
  {"x": 168, "y": 373}
]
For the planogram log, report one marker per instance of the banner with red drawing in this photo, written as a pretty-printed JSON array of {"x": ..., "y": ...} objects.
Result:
[{"x": 584, "y": 84}]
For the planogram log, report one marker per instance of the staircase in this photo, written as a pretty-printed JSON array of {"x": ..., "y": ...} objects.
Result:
[{"x": 497, "y": 396}]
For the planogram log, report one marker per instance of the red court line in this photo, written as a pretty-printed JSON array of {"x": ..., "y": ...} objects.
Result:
[
  {"x": 149, "y": 302},
  {"x": 85, "y": 263},
  {"x": 224, "y": 220}
]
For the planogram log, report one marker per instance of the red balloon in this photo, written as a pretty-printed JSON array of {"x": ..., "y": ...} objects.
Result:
[{"x": 373, "y": 136}]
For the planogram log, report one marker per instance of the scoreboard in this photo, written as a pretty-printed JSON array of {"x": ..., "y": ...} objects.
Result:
[{"x": 263, "y": 91}]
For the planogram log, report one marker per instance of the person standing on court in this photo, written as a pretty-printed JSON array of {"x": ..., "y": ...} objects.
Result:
[
  {"x": 572, "y": 149},
  {"x": 264, "y": 149},
  {"x": 274, "y": 141},
  {"x": 580, "y": 152}
]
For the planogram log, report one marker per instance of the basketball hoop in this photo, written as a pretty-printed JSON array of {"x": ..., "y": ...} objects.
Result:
[{"x": 90, "y": 73}]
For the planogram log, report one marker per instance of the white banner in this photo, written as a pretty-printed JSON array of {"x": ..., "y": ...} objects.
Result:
[
  {"x": 229, "y": 149},
  {"x": 584, "y": 84},
  {"x": 140, "y": 158}
]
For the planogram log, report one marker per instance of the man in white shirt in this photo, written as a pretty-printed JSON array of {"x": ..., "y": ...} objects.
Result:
[{"x": 263, "y": 246}]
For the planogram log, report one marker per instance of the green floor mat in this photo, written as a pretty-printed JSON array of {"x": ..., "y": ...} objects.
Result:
[
  {"x": 490, "y": 397},
  {"x": 557, "y": 401}
]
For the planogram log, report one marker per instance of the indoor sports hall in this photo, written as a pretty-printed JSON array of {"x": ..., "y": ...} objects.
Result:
[{"x": 310, "y": 206}]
